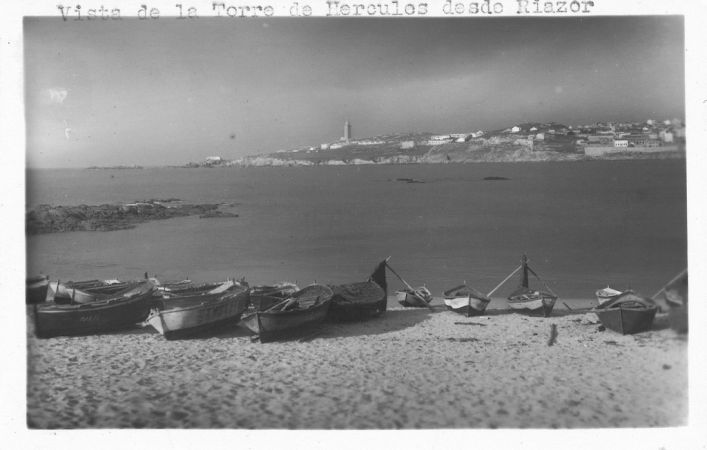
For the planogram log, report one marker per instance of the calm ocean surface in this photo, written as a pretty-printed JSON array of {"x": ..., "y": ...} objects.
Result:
[{"x": 583, "y": 225}]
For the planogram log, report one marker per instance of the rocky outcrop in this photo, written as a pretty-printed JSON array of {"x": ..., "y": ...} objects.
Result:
[{"x": 108, "y": 217}]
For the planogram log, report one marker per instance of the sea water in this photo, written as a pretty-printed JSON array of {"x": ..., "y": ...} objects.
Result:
[{"x": 583, "y": 225}]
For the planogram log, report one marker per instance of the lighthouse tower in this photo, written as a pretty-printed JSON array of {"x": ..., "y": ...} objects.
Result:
[{"x": 347, "y": 131}]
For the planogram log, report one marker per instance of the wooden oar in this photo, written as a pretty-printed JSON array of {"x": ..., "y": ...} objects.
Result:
[
  {"x": 668, "y": 283},
  {"x": 502, "y": 282},
  {"x": 413, "y": 290},
  {"x": 399, "y": 277},
  {"x": 277, "y": 305}
]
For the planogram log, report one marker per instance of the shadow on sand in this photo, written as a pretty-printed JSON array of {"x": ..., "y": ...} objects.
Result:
[
  {"x": 392, "y": 320},
  {"x": 555, "y": 313}
]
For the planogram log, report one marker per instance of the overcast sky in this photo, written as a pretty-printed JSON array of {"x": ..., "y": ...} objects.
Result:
[{"x": 170, "y": 91}]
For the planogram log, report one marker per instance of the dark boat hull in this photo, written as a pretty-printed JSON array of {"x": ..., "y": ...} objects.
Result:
[
  {"x": 73, "y": 320},
  {"x": 360, "y": 301},
  {"x": 353, "y": 312},
  {"x": 627, "y": 320},
  {"x": 271, "y": 326},
  {"x": 37, "y": 288}
]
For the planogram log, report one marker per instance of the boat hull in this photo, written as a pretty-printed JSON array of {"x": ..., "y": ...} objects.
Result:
[
  {"x": 468, "y": 306},
  {"x": 360, "y": 301},
  {"x": 37, "y": 288},
  {"x": 540, "y": 306},
  {"x": 343, "y": 312},
  {"x": 411, "y": 300},
  {"x": 109, "y": 315},
  {"x": 627, "y": 320},
  {"x": 203, "y": 315},
  {"x": 270, "y": 326}
]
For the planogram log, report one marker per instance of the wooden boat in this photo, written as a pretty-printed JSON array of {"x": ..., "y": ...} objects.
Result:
[
  {"x": 411, "y": 297},
  {"x": 264, "y": 296},
  {"x": 414, "y": 298},
  {"x": 675, "y": 294},
  {"x": 304, "y": 309},
  {"x": 362, "y": 300},
  {"x": 530, "y": 301},
  {"x": 629, "y": 313},
  {"x": 181, "y": 316},
  {"x": 606, "y": 294},
  {"x": 200, "y": 289},
  {"x": 174, "y": 285},
  {"x": 114, "y": 313},
  {"x": 88, "y": 291},
  {"x": 466, "y": 300},
  {"x": 37, "y": 288}
]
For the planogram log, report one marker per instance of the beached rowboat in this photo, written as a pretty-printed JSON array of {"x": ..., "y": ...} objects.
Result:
[
  {"x": 466, "y": 300},
  {"x": 414, "y": 298},
  {"x": 357, "y": 301},
  {"x": 411, "y": 297},
  {"x": 181, "y": 316},
  {"x": 37, "y": 288},
  {"x": 114, "y": 313},
  {"x": 606, "y": 294},
  {"x": 265, "y": 296},
  {"x": 304, "y": 309},
  {"x": 629, "y": 313},
  {"x": 530, "y": 301}
]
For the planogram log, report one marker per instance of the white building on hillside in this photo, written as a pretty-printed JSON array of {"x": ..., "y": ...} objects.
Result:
[{"x": 441, "y": 139}]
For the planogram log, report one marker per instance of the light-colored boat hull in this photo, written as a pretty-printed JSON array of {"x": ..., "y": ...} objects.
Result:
[
  {"x": 175, "y": 323},
  {"x": 537, "y": 306},
  {"x": 469, "y": 306},
  {"x": 409, "y": 299}
]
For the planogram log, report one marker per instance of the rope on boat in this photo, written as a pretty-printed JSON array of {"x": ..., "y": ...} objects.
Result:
[
  {"x": 502, "y": 282},
  {"x": 541, "y": 280}
]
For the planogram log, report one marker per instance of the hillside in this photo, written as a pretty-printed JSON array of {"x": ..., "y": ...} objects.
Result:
[{"x": 525, "y": 142}]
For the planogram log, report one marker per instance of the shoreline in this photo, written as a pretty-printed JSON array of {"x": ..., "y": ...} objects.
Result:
[
  {"x": 670, "y": 155},
  {"x": 44, "y": 219}
]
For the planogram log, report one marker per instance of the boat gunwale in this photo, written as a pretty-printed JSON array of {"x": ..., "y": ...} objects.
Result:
[
  {"x": 219, "y": 298},
  {"x": 58, "y": 308}
]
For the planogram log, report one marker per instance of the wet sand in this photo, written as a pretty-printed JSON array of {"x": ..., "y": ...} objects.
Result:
[{"x": 411, "y": 368}]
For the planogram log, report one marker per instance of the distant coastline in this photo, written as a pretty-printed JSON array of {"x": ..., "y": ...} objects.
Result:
[
  {"x": 114, "y": 167},
  {"x": 527, "y": 142}
]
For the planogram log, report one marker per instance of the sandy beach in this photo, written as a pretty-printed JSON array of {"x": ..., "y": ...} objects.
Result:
[{"x": 411, "y": 368}]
